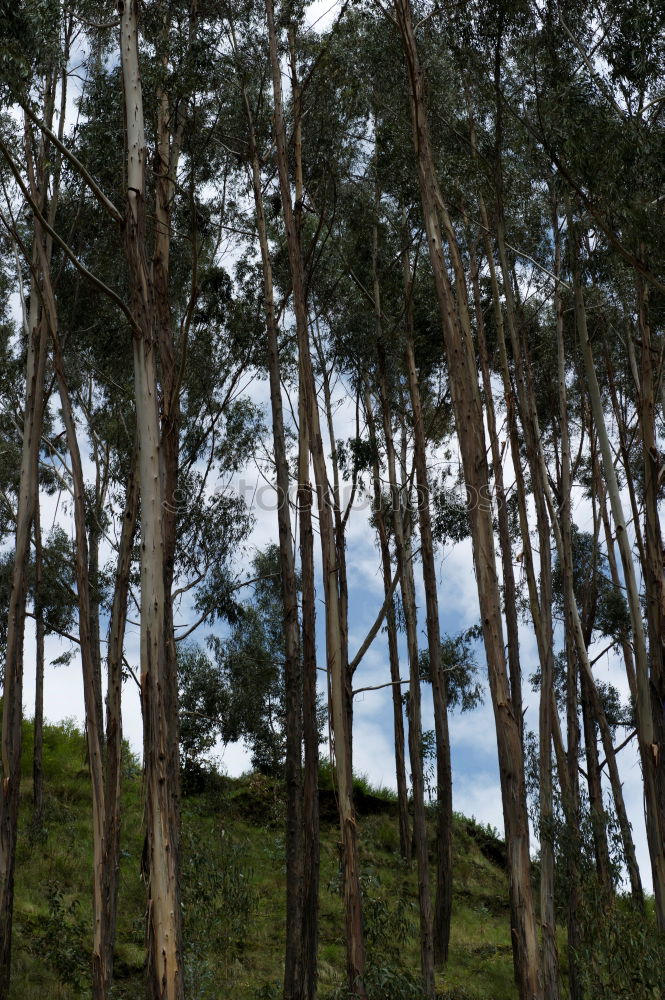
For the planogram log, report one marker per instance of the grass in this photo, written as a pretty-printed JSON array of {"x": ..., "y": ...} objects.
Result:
[{"x": 233, "y": 891}]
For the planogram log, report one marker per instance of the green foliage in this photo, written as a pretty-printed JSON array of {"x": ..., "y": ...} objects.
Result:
[
  {"x": 450, "y": 516},
  {"x": 459, "y": 669},
  {"x": 218, "y": 901},
  {"x": 62, "y": 940},
  {"x": 249, "y": 665},
  {"x": 593, "y": 587},
  {"x": 622, "y": 955},
  {"x": 389, "y": 924},
  {"x": 200, "y": 703}
]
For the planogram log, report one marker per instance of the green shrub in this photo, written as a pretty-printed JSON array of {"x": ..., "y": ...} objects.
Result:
[
  {"x": 621, "y": 956},
  {"x": 62, "y": 941}
]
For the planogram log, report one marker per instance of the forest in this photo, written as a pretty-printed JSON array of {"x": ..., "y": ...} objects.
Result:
[{"x": 400, "y": 264}]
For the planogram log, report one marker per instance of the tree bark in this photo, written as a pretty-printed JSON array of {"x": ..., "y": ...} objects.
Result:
[
  {"x": 164, "y": 922},
  {"x": 654, "y": 578},
  {"x": 12, "y": 702},
  {"x": 294, "y": 978},
  {"x": 469, "y": 419},
  {"x": 444, "y": 779},
  {"x": 334, "y": 631},
  {"x": 393, "y": 650},
  {"x": 310, "y": 917},
  {"x": 650, "y": 757},
  {"x": 508, "y": 573},
  {"x": 113, "y": 745},
  {"x": 92, "y": 688},
  {"x": 571, "y": 788},
  {"x": 38, "y": 747}
]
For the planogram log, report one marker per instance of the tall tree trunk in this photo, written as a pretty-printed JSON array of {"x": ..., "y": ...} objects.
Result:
[
  {"x": 508, "y": 574},
  {"x": 294, "y": 977},
  {"x": 334, "y": 632},
  {"x": 650, "y": 757},
  {"x": 393, "y": 650},
  {"x": 541, "y": 605},
  {"x": 405, "y": 568},
  {"x": 12, "y": 700},
  {"x": 310, "y": 806},
  {"x": 160, "y": 722},
  {"x": 113, "y": 746},
  {"x": 444, "y": 780},
  {"x": 339, "y": 534},
  {"x": 38, "y": 747},
  {"x": 570, "y": 766},
  {"x": 654, "y": 567},
  {"x": 92, "y": 688},
  {"x": 311, "y": 843},
  {"x": 469, "y": 419}
]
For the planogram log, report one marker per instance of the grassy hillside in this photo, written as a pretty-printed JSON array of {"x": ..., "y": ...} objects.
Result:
[
  {"x": 233, "y": 898},
  {"x": 233, "y": 891}
]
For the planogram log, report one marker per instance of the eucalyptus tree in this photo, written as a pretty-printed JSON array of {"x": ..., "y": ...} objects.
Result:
[
  {"x": 334, "y": 624},
  {"x": 47, "y": 73},
  {"x": 467, "y": 406},
  {"x": 613, "y": 208}
]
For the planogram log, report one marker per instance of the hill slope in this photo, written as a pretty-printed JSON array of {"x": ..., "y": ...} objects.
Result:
[{"x": 233, "y": 892}]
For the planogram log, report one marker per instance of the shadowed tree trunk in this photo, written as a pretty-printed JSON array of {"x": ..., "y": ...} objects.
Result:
[
  {"x": 651, "y": 762},
  {"x": 393, "y": 651},
  {"x": 92, "y": 687},
  {"x": 469, "y": 420},
  {"x": 444, "y": 779},
  {"x": 113, "y": 762},
  {"x": 336, "y": 655},
  {"x": 13, "y": 680},
  {"x": 405, "y": 568},
  {"x": 311, "y": 860},
  {"x": 38, "y": 749}
]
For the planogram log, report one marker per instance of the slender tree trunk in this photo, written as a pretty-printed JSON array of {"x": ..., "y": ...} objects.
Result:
[
  {"x": 651, "y": 759},
  {"x": 12, "y": 700},
  {"x": 334, "y": 632},
  {"x": 541, "y": 622},
  {"x": 624, "y": 641},
  {"x": 393, "y": 650},
  {"x": 405, "y": 567},
  {"x": 311, "y": 858},
  {"x": 164, "y": 923},
  {"x": 624, "y": 451},
  {"x": 508, "y": 574},
  {"x": 38, "y": 748},
  {"x": 92, "y": 688},
  {"x": 294, "y": 978},
  {"x": 310, "y": 807},
  {"x": 570, "y": 766},
  {"x": 113, "y": 773},
  {"x": 541, "y": 605},
  {"x": 444, "y": 805},
  {"x": 654, "y": 567},
  {"x": 598, "y": 816},
  {"x": 94, "y": 536},
  {"x": 468, "y": 413},
  {"x": 339, "y": 535}
]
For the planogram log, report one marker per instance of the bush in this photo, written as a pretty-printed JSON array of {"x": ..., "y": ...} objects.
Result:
[
  {"x": 622, "y": 955},
  {"x": 62, "y": 941}
]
